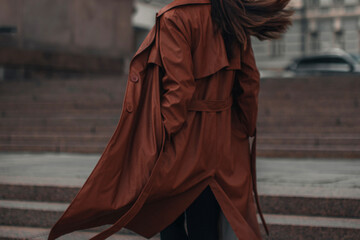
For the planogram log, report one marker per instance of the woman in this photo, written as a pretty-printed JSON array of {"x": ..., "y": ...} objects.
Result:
[
  {"x": 182, "y": 142},
  {"x": 235, "y": 21}
]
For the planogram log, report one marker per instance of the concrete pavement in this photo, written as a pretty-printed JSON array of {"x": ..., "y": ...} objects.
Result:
[{"x": 283, "y": 173}]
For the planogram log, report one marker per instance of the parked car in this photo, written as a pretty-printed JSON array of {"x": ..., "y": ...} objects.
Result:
[{"x": 332, "y": 62}]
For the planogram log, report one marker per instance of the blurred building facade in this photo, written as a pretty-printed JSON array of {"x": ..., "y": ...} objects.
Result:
[
  {"x": 47, "y": 37},
  {"x": 79, "y": 26},
  {"x": 144, "y": 17},
  {"x": 317, "y": 25},
  {"x": 116, "y": 28}
]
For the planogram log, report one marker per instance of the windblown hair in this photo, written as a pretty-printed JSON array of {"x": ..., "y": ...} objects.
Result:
[{"x": 240, "y": 19}]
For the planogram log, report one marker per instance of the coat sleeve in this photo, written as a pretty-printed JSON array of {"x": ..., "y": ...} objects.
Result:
[
  {"x": 249, "y": 81},
  {"x": 178, "y": 81}
]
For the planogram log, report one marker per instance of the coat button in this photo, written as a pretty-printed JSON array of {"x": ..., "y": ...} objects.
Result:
[
  {"x": 129, "y": 107},
  {"x": 134, "y": 78}
]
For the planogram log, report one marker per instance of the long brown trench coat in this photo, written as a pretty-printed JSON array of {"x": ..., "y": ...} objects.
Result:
[{"x": 184, "y": 125}]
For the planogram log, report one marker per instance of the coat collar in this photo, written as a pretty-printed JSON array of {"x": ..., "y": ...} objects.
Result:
[
  {"x": 151, "y": 35},
  {"x": 234, "y": 64},
  {"x": 177, "y": 3}
]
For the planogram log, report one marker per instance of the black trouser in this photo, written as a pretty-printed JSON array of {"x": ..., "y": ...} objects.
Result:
[{"x": 201, "y": 218}]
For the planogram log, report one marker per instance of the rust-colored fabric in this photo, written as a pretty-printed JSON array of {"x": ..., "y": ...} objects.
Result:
[{"x": 187, "y": 116}]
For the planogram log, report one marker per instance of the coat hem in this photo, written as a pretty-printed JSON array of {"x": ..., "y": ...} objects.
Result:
[{"x": 236, "y": 220}]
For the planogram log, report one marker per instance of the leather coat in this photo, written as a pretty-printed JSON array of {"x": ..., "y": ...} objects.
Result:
[{"x": 187, "y": 117}]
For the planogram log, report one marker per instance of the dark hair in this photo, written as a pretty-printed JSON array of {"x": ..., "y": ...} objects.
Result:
[{"x": 240, "y": 19}]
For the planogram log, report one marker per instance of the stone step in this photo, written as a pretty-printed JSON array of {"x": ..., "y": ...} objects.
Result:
[
  {"x": 61, "y": 112},
  {"x": 296, "y": 86},
  {"x": 53, "y": 147},
  {"x": 290, "y": 93},
  {"x": 67, "y": 97},
  {"x": 306, "y": 129},
  {"x": 316, "y": 82},
  {"x": 273, "y": 103},
  {"x": 319, "y": 202},
  {"x": 263, "y": 139},
  {"x": 72, "y": 109},
  {"x": 101, "y": 88},
  {"x": 59, "y": 121},
  {"x": 267, "y": 98},
  {"x": 34, "y": 233},
  {"x": 304, "y": 122},
  {"x": 60, "y": 138},
  {"x": 262, "y": 150},
  {"x": 300, "y": 135},
  {"x": 282, "y": 124},
  {"x": 291, "y": 111},
  {"x": 272, "y": 99},
  {"x": 309, "y": 148},
  {"x": 106, "y": 110},
  {"x": 62, "y": 86},
  {"x": 35, "y": 214},
  {"x": 281, "y": 227},
  {"x": 58, "y": 91},
  {"x": 308, "y": 151},
  {"x": 38, "y": 215},
  {"x": 54, "y": 138},
  {"x": 270, "y": 107},
  {"x": 266, "y": 102},
  {"x": 308, "y": 141},
  {"x": 311, "y": 206},
  {"x": 37, "y": 192},
  {"x": 61, "y": 82},
  {"x": 80, "y": 129},
  {"x": 108, "y": 85},
  {"x": 285, "y": 227},
  {"x": 269, "y": 150},
  {"x": 106, "y": 130}
]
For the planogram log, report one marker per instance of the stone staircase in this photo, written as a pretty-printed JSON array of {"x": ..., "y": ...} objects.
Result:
[
  {"x": 301, "y": 216},
  {"x": 298, "y": 118},
  {"x": 60, "y": 115},
  {"x": 34, "y": 195},
  {"x": 29, "y": 210},
  {"x": 309, "y": 117}
]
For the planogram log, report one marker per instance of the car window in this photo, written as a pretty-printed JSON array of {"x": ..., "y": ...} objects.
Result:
[
  {"x": 356, "y": 57},
  {"x": 329, "y": 64}
]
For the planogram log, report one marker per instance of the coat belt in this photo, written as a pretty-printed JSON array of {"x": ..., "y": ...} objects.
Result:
[
  {"x": 253, "y": 174},
  {"x": 210, "y": 105}
]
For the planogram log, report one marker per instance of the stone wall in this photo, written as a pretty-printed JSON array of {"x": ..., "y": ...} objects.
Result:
[{"x": 100, "y": 27}]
